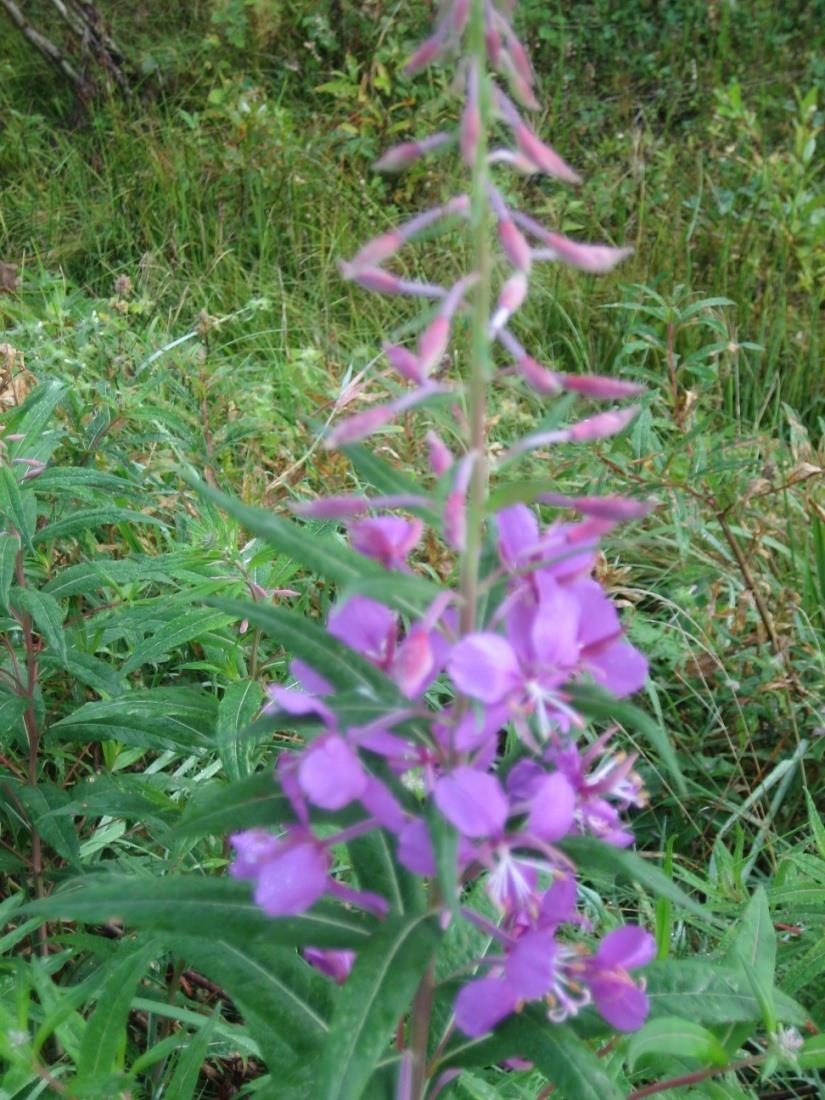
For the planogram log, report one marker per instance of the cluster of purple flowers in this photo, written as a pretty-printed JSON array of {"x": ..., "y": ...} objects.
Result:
[{"x": 460, "y": 688}]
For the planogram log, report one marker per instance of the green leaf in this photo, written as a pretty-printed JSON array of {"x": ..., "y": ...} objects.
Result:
[
  {"x": 342, "y": 666},
  {"x": 184, "y": 1079},
  {"x": 556, "y": 1051},
  {"x": 709, "y": 993},
  {"x": 178, "y": 719},
  {"x": 807, "y": 969},
  {"x": 12, "y": 709},
  {"x": 9, "y": 548},
  {"x": 90, "y": 520},
  {"x": 32, "y": 417},
  {"x": 595, "y": 702},
  {"x": 324, "y": 555},
  {"x": 273, "y": 987},
  {"x": 374, "y": 862},
  {"x": 14, "y": 505},
  {"x": 755, "y": 947},
  {"x": 812, "y": 1053},
  {"x": 58, "y": 833},
  {"x": 237, "y": 709},
  {"x": 245, "y": 804},
  {"x": 105, "y": 1032},
  {"x": 814, "y": 816},
  {"x": 377, "y": 992},
  {"x": 186, "y": 904},
  {"x": 389, "y": 481},
  {"x": 673, "y": 1037},
  {"x": 192, "y": 624},
  {"x": 444, "y": 840},
  {"x": 46, "y": 615},
  {"x": 591, "y": 854}
]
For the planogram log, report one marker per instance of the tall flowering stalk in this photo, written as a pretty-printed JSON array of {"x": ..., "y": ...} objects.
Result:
[{"x": 448, "y": 720}]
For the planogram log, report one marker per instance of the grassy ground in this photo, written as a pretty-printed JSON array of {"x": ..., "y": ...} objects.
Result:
[{"x": 226, "y": 197}]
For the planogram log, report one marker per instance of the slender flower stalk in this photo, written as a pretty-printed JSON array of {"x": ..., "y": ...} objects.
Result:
[
  {"x": 406, "y": 741},
  {"x": 480, "y": 218}
]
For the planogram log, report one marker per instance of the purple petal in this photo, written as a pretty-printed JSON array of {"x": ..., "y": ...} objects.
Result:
[
  {"x": 331, "y": 774},
  {"x": 485, "y": 667},
  {"x": 622, "y": 1003},
  {"x": 299, "y": 704},
  {"x": 335, "y": 964},
  {"x": 558, "y": 906},
  {"x": 628, "y": 947},
  {"x": 415, "y": 850},
  {"x": 599, "y": 621},
  {"x": 553, "y": 809},
  {"x": 482, "y": 1004},
  {"x": 473, "y": 801},
  {"x": 620, "y": 668},
  {"x": 364, "y": 625},
  {"x": 389, "y": 539},
  {"x": 312, "y": 682},
  {"x": 518, "y": 534},
  {"x": 530, "y": 965},
  {"x": 414, "y": 665},
  {"x": 293, "y": 881},
  {"x": 554, "y": 633},
  {"x": 254, "y": 847},
  {"x": 524, "y": 780},
  {"x": 382, "y": 805}
]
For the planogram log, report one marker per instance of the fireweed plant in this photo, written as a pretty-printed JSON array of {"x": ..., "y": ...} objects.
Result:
[{"x": 476, "y": 764}]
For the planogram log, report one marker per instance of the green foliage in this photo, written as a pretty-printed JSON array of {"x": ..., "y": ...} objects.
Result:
[{"x": 226, "y": 200}]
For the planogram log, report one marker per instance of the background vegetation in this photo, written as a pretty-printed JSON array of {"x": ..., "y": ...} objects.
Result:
[{"x": 169, "y": 301}]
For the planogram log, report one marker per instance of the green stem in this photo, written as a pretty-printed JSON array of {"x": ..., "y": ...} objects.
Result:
[
  {"x": 477, "y": 495},
  {"x": 480, "y": 340}
]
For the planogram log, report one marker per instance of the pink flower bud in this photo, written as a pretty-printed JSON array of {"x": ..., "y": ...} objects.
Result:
[
  {"x": 514, "y": 244},
  {"x": 439, "y": 454},
  {"x": 594, "y": 258},
  {"x": 492, "y": 39},
  {"x": 470, "y": 129},
  {"x": 338, "y": 507},
  {"x": 372, "y": 278},
  {"x": 600, "y": 387},
  {"x": 470, "y": 133},
  {"x": 404, "y": 362},
  {"x": 360, "y": 426},
  {"x": 602, "y": 425},
  {"x": 537, "y": 377},
  {"x": 377, "y": 250},
  {"x": 459, "y": 15},
  {"x": 432, "y": 344},
  {"x": 511, "y": 296},
  {"x": 543, "y": 157},
  {"x": 402, "y": 156},
  {"x": 616, "y": 508},
  {"x": 426, "y": 53},
  {"x": 455, "y": 506}
]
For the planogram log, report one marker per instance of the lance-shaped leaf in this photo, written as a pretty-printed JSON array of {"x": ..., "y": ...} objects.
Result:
[
  {"x": 377, "y": 992},
  {"x": 187, "y": 904},
  {"x": 324, "y": 555},
  {"x": 563, "y": 1058},
  {"x": 591, "y": 854},
  {"x": 301, "y": 637}
]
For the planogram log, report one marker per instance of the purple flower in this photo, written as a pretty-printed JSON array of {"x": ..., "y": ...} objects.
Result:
[
  {"x": 472, "y": 801},
  {"x": 335, "y": 964},
  {"x": 290, "y": 873},
  {"x": 330, "y": 773},
  {"x": 616, "y": 996},
  {"x": 390, "y": 539}
]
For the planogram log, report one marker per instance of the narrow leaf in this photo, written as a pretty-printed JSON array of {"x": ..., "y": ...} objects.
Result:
[{"x": 377, "y": 992}]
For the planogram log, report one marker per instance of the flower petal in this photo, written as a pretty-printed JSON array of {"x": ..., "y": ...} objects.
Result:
[{"x": 473, "y": 801}]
